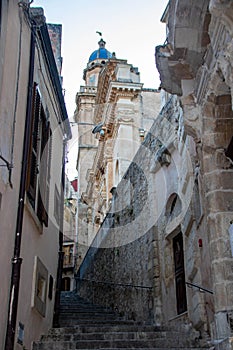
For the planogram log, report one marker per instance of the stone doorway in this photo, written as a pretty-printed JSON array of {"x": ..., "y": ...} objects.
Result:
[{"x": 178, "y": 251}]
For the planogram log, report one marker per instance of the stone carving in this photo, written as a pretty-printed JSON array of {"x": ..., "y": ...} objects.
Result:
[
  {"x": 223, "y": 9},
  {"x": 191, "y": 116},
  {"x": 125, "y": 115}
]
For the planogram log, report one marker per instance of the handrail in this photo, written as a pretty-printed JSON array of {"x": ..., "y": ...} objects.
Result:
[
  {"x": 115, "y": 284},
  {"x": 201, "y": 289}
]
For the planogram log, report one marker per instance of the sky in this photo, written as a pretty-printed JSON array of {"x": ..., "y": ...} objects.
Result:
[{"x": 131, "y": 29}]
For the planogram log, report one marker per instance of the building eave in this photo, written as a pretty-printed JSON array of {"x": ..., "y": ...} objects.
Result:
[
  {"x": 52, "y": 68},
  {"x": 165, "y": 14}
]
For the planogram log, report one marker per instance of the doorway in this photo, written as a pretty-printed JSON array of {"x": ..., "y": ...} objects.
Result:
[
  {"x": 181, "y": 299},
  {"x": 65, "y": 284}
]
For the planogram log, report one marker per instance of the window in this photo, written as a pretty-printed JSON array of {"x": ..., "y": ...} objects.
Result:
[
  {"x": 173, "y": 207},
  {"x": 20, "y": 334},
  {"x": 68, "y": 258},
  {"x": 41, "y": 288},
  {"x": 38, "y": 176},
  {"x": 40, "y": 282}
]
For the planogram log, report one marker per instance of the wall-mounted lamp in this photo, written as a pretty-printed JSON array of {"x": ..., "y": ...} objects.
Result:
[
  {"x": 102, "y": 132},
  {"x": 101, "y": 129},
  {"x": 98, "y": 128}
]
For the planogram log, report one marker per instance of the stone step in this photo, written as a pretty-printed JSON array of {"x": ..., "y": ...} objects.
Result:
[
  {"x": 83, "y": 307},
  {"x": 86, "y": 326},
  {"x": 39, "y": 347},
  {"x": 108, "y": 344},
  {"x": 87, "y": 311},
  {"x": 88, "y": 316},
  {"x": 133, "y": 327},
  {"x": 111, "y": 336},
  {"x": 75, "y": 322}
]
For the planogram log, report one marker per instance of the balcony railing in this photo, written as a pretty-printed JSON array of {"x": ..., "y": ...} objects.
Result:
[{"x": 88, "y": 89}]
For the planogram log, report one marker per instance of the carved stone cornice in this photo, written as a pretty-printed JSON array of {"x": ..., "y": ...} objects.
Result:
[
  {"x": 106, "y": 75},
  {"x": 110, "y": 90}
]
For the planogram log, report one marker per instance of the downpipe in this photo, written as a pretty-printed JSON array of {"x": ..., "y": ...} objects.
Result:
[{"x": 17, "y": 260}]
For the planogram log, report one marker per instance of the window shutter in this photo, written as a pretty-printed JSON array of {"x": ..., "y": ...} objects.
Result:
[
  {"x": 31, "y": 132},
  {"x": 45, "y": 161},
  {"x": 33, "y": 159}
]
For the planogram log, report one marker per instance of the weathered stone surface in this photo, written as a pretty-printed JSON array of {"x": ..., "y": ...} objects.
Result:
[
  {"x": 220, "y": 200},
  {"x": 191, "y": 194},
  {"x": 88, "y": 326}
]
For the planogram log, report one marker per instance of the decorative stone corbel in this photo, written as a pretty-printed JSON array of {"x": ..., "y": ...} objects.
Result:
[
  {"x": 162, "y": 157},
  {"x": 191, "y": 116}
]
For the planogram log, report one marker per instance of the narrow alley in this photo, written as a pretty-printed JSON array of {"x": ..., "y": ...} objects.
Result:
[{"x": 136, "y": 249}]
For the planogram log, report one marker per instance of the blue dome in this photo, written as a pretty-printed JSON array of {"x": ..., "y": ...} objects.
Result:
[{"x": 101, "y": 53}]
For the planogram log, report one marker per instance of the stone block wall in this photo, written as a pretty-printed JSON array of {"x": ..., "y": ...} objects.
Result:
[
  {"x": 130, "y": 265},
  {"x": 121, "y": 278}
]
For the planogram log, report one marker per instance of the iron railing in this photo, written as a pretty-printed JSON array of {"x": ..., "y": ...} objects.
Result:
[
  {"x": 113, "y": 283},
  {"x": 201, "y": 289}
]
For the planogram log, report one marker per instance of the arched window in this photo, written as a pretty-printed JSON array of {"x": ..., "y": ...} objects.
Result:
[{"x": 174, "y": 206}]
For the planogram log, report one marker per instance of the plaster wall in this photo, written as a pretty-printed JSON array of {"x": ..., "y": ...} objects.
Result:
[
  {"x": 12, "y": 110},
  {"x": 37, "y": 241}
]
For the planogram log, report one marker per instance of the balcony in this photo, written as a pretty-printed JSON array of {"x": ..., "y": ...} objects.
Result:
[
  {"x": 182, "y": 54},
  {"x": 68, "y": 262}
]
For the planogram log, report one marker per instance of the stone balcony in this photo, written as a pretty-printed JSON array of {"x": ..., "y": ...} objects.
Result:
[{"x": 182, "y": 54}]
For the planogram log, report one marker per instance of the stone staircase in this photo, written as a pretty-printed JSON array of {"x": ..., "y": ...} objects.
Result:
[{"x": 87, "y": 326}]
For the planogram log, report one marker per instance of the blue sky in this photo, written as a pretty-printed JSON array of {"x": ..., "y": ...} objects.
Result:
[{"x": 131, "y": 28}]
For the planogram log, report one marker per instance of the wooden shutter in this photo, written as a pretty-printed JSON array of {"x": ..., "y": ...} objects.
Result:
[
  {"x": 45, "y": 165},
  {"x": 33, "y": 156}
]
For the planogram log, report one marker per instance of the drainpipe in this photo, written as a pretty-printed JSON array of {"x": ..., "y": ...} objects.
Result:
[
  {"x": 60, "y": 252},
  {"x": 17, "y": 260}
]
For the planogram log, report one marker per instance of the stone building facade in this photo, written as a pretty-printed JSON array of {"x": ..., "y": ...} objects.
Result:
[
  {"x": 195, "y": 64},
  {"x": 114, "y": 113},
  {"x": 128, "y": 266},
  {"x": 69, "y": 236},
  {"x": 164, "y": 251},
  {"x": 33, "y": 128}
]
